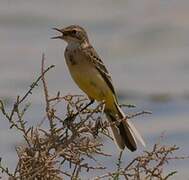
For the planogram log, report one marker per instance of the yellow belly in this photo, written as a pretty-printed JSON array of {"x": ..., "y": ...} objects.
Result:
[{"x": 92, "y": 83}]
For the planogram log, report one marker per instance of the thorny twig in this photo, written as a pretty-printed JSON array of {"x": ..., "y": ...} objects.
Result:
[
  {"x": 147, "y": 166},
  {"x": 72, "y": 141}
]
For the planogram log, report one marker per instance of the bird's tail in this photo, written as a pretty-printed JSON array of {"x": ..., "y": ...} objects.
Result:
[{"x": 125, "y": 134}]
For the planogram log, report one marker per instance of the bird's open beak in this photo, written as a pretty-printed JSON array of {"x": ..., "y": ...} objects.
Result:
[{"x": 58, "y": 37}]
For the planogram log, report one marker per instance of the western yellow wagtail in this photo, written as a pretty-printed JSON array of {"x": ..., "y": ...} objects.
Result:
[{"x": 91, "y": 75}]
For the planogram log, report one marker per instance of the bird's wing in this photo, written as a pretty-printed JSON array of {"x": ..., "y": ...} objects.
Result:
[{"x": 93, "y": 57}]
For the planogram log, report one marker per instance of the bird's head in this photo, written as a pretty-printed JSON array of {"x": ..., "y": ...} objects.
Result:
[{"x": 72, "y": 34}]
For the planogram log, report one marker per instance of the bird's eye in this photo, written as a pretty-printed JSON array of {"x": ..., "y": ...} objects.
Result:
[{"x": 74, "y": 32}]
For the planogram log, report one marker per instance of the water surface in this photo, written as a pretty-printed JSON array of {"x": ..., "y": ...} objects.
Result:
[{"x": 145, "y": 45}]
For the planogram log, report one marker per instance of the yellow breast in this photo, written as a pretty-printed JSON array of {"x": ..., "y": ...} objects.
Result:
[{"x": 88, "y": 78}]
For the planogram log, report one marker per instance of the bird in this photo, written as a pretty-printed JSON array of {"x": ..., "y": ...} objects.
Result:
[{"x": 90, "y": 74}]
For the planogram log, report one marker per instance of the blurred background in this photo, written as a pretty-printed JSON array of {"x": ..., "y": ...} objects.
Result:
[{"x": 144, "y": 44}]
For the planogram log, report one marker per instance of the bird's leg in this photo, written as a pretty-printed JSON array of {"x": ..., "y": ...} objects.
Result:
[
  {"x": 103, "y": 107},
  {"x": 91, "y": 102},
  {"x": 72, "y": 117},
  {"x": 99, "y": 123}
]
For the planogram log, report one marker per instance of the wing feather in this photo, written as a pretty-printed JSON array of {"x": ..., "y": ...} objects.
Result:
[{"x": 91, "y": 54}]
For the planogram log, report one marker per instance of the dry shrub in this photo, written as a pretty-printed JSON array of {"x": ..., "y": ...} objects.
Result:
[{"x": 70, "y": 145}]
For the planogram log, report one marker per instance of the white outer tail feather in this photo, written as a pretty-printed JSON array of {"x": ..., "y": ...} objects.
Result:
[{"x": 134, "y": 131}]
